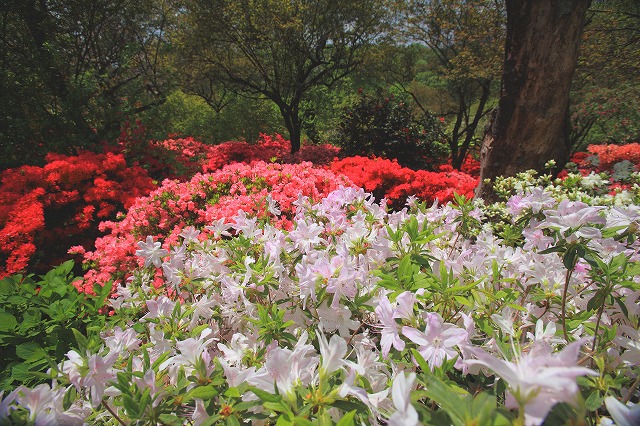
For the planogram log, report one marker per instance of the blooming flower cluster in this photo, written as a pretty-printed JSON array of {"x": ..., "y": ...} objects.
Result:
[
  {"x": 387, "y": 179},
  {"x": 267, "y": 149},
  {"x": 354, "y": 312},
  {"x": 48, "y": 209},
  {"x": 204, "y": 204}
]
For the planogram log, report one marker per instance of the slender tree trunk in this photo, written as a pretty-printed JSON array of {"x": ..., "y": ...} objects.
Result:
[
  {"x": 292, "y": 120},
  {"x": 461, "y": 152},
  {"x": 531, "y": 123}
]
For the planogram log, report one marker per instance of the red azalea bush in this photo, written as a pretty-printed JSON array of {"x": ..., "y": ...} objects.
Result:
[
  {"x": 470, "y": 166},
  {"x": 183, "y": 157},
  {"x": 165, "y": 212},
  {"x": 603, "y": 158},
  {"x": 178, "y": 158},
  {"x": 609, "y": 155},
  {"x": 46, "y": 210},
  {"x": 268, "y": 149},
  {"x": 387, "y": 179}
]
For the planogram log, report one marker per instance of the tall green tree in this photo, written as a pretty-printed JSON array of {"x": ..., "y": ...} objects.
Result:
[
  {"x": 71, "y": 71},
  {"x": 531, "y": 123},
  {"x": 466, "y": 38},
  {"x": 275, "y": 49}
]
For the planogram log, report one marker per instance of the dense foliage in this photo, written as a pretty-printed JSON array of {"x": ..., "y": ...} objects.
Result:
[
  {"x": 384, "y": 126},
  {"x": 516, "y": 312}
]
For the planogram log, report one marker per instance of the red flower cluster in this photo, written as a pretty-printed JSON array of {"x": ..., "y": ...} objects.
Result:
[
  {"x": 48, "y": 209},
  {"x": 609, "y": 155},
  {"x": 199, "y": 202},
  {"x": 267, "y": 149},
  {"x": 387, "y": 179},
  {"x": 169, "y": 159},
  {"x": 470, "y": 166}
]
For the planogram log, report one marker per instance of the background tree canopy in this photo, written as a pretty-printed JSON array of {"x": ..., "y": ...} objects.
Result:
[{"x": 72, "y": 73}]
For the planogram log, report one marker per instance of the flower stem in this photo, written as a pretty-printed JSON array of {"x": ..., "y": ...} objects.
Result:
[
  {"x": 115, "y": 416},
  {"x": 564, "y": 302}
]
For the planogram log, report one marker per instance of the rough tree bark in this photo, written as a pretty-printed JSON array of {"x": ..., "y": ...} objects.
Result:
[{"x": 531, "y": 123}]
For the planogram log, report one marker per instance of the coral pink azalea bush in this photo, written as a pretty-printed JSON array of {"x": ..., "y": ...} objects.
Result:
[
  {"x": 267, "y": 192},
  {"x": 45, "y": 210},
  {"x": 356, "y": 315}
]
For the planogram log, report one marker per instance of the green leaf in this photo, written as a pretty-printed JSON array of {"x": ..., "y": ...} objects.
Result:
[
  {"x": 30, "y": 351},
  {"x": 130, "y": 405},
  {"x": 232, "y": 393},
  {"x": 232, "y": 421},
  {"x": 594, "y": 401},
  {"x": 7, "y": 322},
  {"x": 83, "y": 342},
  {"x": 202, "y": 392},
  {"x": 6, "y": 287},
  {"x": 170, "y": 420},
  {"x": 263, "y": 395},
  {"x": 347, "y": 419}
]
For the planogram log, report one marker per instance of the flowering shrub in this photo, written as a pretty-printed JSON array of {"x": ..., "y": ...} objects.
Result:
[
  {"x": 357, "y": 315},
  {"x": 168, "y": 159},
  {"x": 48, "y": 209},
  {"x": 387, "y": 179},
  {"x": 268, "y": 191},
  {"x": 470, "y": 166},
  {"x": 267, "y": 149},
  {"x": 604, "y": 158}
]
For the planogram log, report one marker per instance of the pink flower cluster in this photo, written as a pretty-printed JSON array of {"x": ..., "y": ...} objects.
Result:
[
  {"x": 48, "y": 209},
  {"x": 262, "y": 190},
  {"x": 387, "y": 179}
]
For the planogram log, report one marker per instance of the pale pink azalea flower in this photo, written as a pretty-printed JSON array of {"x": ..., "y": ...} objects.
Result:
[
  {"x": 122, "y": 341},
  {"x": 162, "y": 307},
  {"x": 631, "y": 344},
  {"x": 436, "y": 344},
  {"x": 405, "y": 414},
  {"x": 404, "y": 305},
  {"x": 291, "y": 368},
  {"x": 101, "y": 373},
  {"x": 202, "y": 309},
  {"x": 332, "y": 353},
  {"x": 190, "y": 234},
  {"x": 535, "y": 238},
  {"x": 152, "y": 252},
  {"x": 339, "y": 318},
  {"x": 623, "y": 415},
  {"x": 148, "y": 381},
  {"x": 192, "y": 350},
  {"x": 36, "y": 400},
  {"x": 577, "y": 216},
  {"x": 342, "y": 285},
  {"x": 539, "y": 379},
  {"x": 219, "y": 228},
  {"x": 234, "y": 352},
  {"x": 94, "y": 373},
  {"x": 390, "y": 330},
  {"x": 546, "y": 333},
  {"x": 200, "y": 414}
]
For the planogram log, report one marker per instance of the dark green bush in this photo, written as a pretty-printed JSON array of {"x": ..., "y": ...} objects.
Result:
[
  {"x": 383, "y": 125},
  {"x": 37, "y": 323}
]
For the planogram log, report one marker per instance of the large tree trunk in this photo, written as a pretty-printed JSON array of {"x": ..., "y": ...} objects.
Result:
[{"x": 531, "y": 123}]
